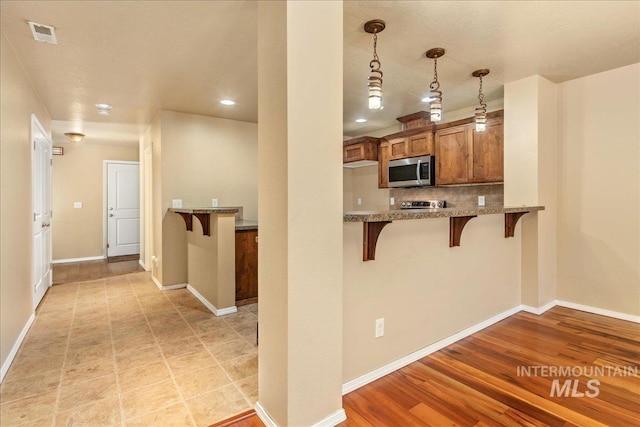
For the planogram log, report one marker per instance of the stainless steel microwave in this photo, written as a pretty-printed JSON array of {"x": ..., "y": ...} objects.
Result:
[{"x": 412, "y": 172}]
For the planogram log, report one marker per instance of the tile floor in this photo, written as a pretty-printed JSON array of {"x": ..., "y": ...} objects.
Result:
[{"x": 117, "y": 351}]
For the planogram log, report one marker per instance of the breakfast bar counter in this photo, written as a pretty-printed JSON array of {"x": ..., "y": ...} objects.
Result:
[{"x": 374, "y": 222}]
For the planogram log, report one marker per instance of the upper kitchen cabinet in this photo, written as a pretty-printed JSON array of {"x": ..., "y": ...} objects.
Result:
[
  {"x": 488, "y": 152},
  {"x": 362, "y": 151},
  {"x": 453, "y": 146},
  {"x": 464, "y": 156}
]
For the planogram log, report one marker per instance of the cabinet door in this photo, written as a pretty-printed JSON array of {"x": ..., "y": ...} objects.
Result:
[
  {"x": 398, "y": 149},
  {"x": 352, "y": 153},
  {"x": 453, "y": 147},
  {"x": 420, "y": 145},
  {"x": 246, "y": 264},
  {"x": 488, "y": 157},
  {"x": 383, "y": 165}
]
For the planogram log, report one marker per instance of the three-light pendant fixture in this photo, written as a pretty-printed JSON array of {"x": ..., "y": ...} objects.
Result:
[{"x": 374, "y": 85}]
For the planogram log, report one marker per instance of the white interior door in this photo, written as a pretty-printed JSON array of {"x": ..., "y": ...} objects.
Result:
[
  {"x": 123, "y": 209},
  {"x": 41, "y": 202}
]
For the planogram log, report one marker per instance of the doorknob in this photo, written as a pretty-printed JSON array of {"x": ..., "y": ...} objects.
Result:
[
  {"x": 110, "y": 214},
  {"x": 110, "y": 209}
]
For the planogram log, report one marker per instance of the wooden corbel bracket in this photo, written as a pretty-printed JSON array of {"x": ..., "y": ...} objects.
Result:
[
  {"x": 188, "y": 220},
  {"x": 456, "y": 224},
  {"x": 370, "y": 238},
  {"x": 204, "y": 219},
  {"x": 510, "y": 221}
]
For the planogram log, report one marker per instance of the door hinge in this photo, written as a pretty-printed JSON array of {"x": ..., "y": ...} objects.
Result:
[
  {"x": 34, "y": 217},
  {"x": 51, "y": 162},
  {"x": 34, "y": 144},
  {"x": 107, "y": 246}
]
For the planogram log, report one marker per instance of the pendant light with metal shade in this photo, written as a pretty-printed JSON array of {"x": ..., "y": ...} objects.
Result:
[
  {"x": 374, "y": 27},
  {"x": 436, "y": 93},
  {"x": 481, "y": 110}
]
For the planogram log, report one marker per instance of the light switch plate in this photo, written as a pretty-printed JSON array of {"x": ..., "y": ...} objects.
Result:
[
  {"x": 176, "y": 203},
  {"x": 214, "y": 203},
  {"x": 359, "y": 201},
  {"x": 392, "y": 201},
  {"x": 480, "y": 200},
  {"x": 77, "y": 205}
]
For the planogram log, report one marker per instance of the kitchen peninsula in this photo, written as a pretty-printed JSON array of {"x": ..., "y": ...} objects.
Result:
[
  {"x": 211, "y": 256},
  {"x": 374, "y": 222}
]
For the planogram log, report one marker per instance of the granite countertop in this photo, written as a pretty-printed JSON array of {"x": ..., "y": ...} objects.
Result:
[
  {"x": 221, "y": 210},
  {"x": 392, "y": 215},
  {"x": 245, "y": 224}
]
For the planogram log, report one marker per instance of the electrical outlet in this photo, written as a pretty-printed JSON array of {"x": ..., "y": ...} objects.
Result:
[
  {"x": 214, "y": 203},
  {"x": 480, "y": 200},
  {"x": 380, "y": 327},
  {"x": 176, "y": 203},
  {"x": 392, "y": 201},
  {"x": 77, "y": 205},
  {"x": 359, "y": 201}
]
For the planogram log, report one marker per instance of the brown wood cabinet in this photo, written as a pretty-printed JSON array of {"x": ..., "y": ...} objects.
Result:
[
  {"x": 383, "y": 163},
  {"x": 453, "y": 148},
  {"x": 246, "y": 264},
  {"x": 488, "y": 152},
  {"x": 358, "y": 149},
  {"x": 464, "y": 156}
]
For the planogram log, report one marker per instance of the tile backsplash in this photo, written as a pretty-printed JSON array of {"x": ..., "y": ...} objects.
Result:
[{"x": 455, "y": 196}]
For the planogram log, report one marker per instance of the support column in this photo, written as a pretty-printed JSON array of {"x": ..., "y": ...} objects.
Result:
[
  {"x": 300, "y": 212},
  {"x": 530, "y": 178}
]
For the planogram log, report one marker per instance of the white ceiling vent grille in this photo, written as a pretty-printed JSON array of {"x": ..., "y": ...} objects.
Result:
[{"x": 43, "y": 33}]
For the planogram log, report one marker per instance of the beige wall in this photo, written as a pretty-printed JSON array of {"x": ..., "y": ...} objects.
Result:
[
  {"x": 300, "y": 268},
  {"x": 599, "y": 188},
  {"x": 18, "y": 100},
  {"x": 363, "y": 183},
  {"x": 196, "y": 159},
  {"x": 423, "y": 289},
  {"x": 77, "y": 176},
  {"x": 530, "y": 159}
]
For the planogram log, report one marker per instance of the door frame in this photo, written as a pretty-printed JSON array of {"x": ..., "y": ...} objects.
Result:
[
  {"x": 35, "y": 123},
  {"x": 105, "y": 189}
]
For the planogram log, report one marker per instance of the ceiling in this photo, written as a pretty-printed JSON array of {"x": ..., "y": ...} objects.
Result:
[{"x": 143, "y": 56}]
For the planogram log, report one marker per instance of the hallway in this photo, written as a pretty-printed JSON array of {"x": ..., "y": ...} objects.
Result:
[{"x": 118, "y": 351}]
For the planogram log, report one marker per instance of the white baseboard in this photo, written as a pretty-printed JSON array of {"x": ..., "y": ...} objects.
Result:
[
  {"x": 330, "y": 421},
  {"x": 142, "y": 265},
  {"x": 264, "y": 415},
  {"x": 168, "y": 287},
  {"x": 365, "y": 379},
  {"x": 211, "y": 307},
  {"x": 14, "y": 350},
  {"x": 539, "y": 310},
  {"x": 600, "y": 311},
  {"x": 89, "y": 258}
]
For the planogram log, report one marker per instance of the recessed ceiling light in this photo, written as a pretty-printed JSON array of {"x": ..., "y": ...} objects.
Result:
[
  {"x": 427, "y": 99},
  {"x": 104, "y": 106},
  {"x": 227, "y": 102},
  {"x": 361, "y": 120},
  {"x": 104, "y": 112}
]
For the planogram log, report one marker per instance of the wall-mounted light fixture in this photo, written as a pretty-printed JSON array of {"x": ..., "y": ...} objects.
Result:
[
  {"x": 74, "y": 136},
  {"x": 436, "y": 93},
  {"x": 374, "y": 27},
  {"x": 481, "y": 110}
]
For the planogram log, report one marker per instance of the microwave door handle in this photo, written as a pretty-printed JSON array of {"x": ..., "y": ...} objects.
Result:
[{"x": 418, "y": 177}]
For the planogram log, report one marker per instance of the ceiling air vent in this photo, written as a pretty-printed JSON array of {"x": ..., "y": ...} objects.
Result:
[{"x": 43, "y": 33}]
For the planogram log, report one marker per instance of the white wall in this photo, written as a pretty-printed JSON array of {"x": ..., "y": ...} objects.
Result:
[{"x": 599, "y": 190}]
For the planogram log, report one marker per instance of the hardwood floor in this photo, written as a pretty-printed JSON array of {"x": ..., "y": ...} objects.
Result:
[
  {"x": 483, "y": 380},
  {"x": 72, "y": 272},
  {"x": 477, "y": 381}
]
